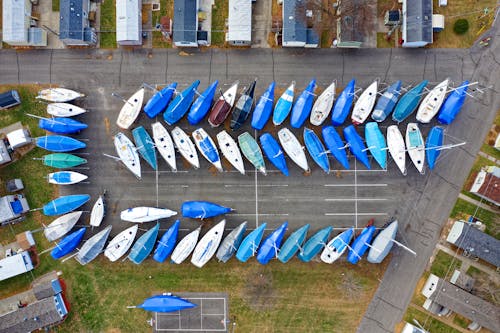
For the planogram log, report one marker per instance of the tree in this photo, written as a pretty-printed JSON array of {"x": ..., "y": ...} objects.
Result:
[{"x": 461, "y": 26}]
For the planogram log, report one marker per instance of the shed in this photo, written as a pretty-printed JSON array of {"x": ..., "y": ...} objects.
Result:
[
  {"x": 437, "y": 22},
  {"x": 19, "y": 138},
  {"x": 239, "y": 22},
  {"x": 14, "y": 185},
  {"x": 487, "y": 186},
  {"x": 392, "y": 17},
  {"x": 12, "y": 207},
  {"x": 294, "y": 23},
  {"x": 9, "y": 99},
  {"x": 417, "y": 23},
  {"x": 16, "y": 16},
  {"x": 14, "y": 265},
  {"x": 185, "y": 23},
  {"x": 74, "y": 25},
  {"x": 4, "y": 153},
  {"x": 37, "y": 36},
  {"x": 25, "y": 240},
  {"x": 128, "y": 22}
]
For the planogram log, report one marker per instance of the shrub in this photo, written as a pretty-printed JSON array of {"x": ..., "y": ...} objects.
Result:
[{"x": 461, "y": 26}]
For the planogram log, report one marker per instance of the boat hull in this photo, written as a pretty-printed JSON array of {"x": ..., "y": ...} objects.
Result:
[
  {"x": 293, "y": 244},
  {"x": 358, "y": 246},
  {"x": 376, "y": 143},
  {"x": 415, "y": 146},
  {"x": 61, "y": 226},
  {"x": 164, "y": 144},
  {"x": 185, "y": 146},
  {"x": 323, "y": 106},
  {"x": 252, "y": 152},
  {"x": 180, "y": 105},
  {"x": 382, "y": 244},
  {"x": 97, "y": 213},
  {"x": 202, "y": 104},
  {"x": 166, "y": 244},
  {"x": 314, "y": 244},
  {"x": 208, "y": 244},
  {"x": 144, "y": 245},
  {"x": 68, "y": 244},
  {"x": 127, "y": 153},
  {"x": 61, "y": 125},
  {"x": 146, "y": 214},
  {"x": 284, "y": 105},
  {"x": 408, "y": 102},
  {"x": 185, "y": 247},
  {"x": 302, "y": 107},
  {"x": 58, "y": 95},
  {"x": 130, "y": 110},
  {"x": 386, "y": 103},
  {"x": 316, "y": 149},
  {"x": 397, "y": 147},
  {"x": 270, "y": 246},
  {"x": 120, "y": 244},
  {"x": 202, "y": 209},
  {"x": 66, "y": 177},
  {"x": 145, "y": 146},
  {"x": 432, "y": 102},
  {"x": 274, "y": 152},
  {"x": 356, "y": 145},
  {"x": 223, "y": 106},
  {"x": 207, "y": 147},
  {"x": 364, "y": 104},
  {"x": 159, "y": 101},
  {"x": 343, "y": 104},
  {"x": 231, "y": 243},
  {"x": 93, "y": 247},
  {"x": 63, "y": 160},
  {"x": 337, "y": 246},
  {"x": 453, "y": 104},
  {"x": 65, "y": 204},
  {"x": 250, "y": 244},
  {"x": 293, "y": 148},
  {"x": 264, "y": 108},
  {"x": 59, "y": 143},
  {"x": 230, "y": 150},
  {"x": 335, "y": 145},
  {"x": 434, "y": 140}
]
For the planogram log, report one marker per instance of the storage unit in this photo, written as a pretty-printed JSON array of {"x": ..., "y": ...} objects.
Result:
[
  {"x": 18, "y": 138},
  {"x": 239, "y": 22},
  {"x": 9, "y": 99},
  {"x": 128, "y": 22}
]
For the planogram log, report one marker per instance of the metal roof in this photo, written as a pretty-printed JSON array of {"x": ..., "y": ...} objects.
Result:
[
  {"x": 185, "y": 21},
  {"x": 14, "y": 265},
  {"x": 487, "y": 186},
  {"x": 73, "y": 19},
  {"x": 294, "y": 22},
  {"x": 128, "y": 20},
  {"x": 16, "y": 20},
  {"x": 417, "y": 21},
  {"x": 240, "y": 20}
]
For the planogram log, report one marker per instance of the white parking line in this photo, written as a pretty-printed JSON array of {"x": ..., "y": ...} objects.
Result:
[
  {"x": 165, "y": 171},
  {"x": 358, "y": 185},
  {"x": 353, "y": 214},
  {"x": 253, "y": 214},
  {"x": 255, "y": 185},
  {"x": 356, "y": 199}
]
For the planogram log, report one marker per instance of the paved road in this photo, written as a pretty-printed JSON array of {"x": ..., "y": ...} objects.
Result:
[{"x": 344, "y": 199}]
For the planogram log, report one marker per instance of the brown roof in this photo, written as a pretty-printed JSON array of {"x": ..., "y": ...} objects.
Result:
[{"x": 490, "y": 189}]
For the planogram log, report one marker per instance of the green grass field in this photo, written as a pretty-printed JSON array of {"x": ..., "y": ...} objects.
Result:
[
  {"x": 108, "y": 25},
  {"x": 444, "y": 265},
  {"x": 219, "y": 15},
  {"x": 429, "y": 323}
]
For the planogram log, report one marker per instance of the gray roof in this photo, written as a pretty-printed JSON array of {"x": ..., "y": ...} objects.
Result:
[
  {"x": 46, "y": 286},
  {"x": 467, "y": 305},
  {"x": 15, "y": 21},
  {"x": 418, "y": 21},
  {"x": 185, "y": 17},
  {"x": 6, "y": 212},
  {"x": 128, "y": 20},
  {"x": 73, "y": 19},
  {"x": 294, "y": 21}
]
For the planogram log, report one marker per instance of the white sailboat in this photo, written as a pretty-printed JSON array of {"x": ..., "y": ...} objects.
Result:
[
  {"x": 146, "y": 214},
  {"x": 61, "y": 226},
  {"x": 432, "y": 102},
  {"x": 337, "y": 246},
  {"x": 121, "y": 243},
  {"x": 323, "y": 105},
  {"x": 127, "y": 153},
  {"x": 164, "y": 144},
  {"x": 365, "y": 104},
  {"x": 185, "y": 246},
  {"x": 208, "y": 244},
  {"x": 397, "y": 148},
  {"x": 293, "y": 148},
  {"x": 415, "y": 146},
  {"x": 185, "y": 146},
  {"x": 207, "y": 147},
  {"x": 97, "y": 213},
  {"x": 64, "y": 110},
  {"x": 58, "y": 95},
  {"x": 130, "y": 110},
  {"x": 230, "y": 150}
]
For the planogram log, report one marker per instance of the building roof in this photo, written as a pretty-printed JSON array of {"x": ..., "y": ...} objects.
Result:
[
  {"x": 4, "y": 158},
  {"x": 15, "y": 21},
  {"x": 6, "y": 212},
  {"x": 417, "y": 21},
  {"x": 185, "y": 21},
  {"x": 240, "y": 20},
  {"x": 466, "y": 237},
  {"x": 487, "y": 186},
  {"x": 9, "y": 98},
  {"x": 294, "y": 21},
  {"x": 72, "y": 20},
  {"x": 14, "y": 265},
  {"x": 128, "y": 20}
]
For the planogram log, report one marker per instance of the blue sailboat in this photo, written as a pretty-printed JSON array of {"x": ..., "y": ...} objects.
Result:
[
  {"x": 243, "y": 107},
  {"x": 68, "y": 244},
  {"x": 179, "y": 106},
  {"x": 386, "y": 103},
  {"x": 360, "y": 244},
  {"x": 145, "y": 146},
  {"x": 270, "y": 246},
  {"x": 314, "y": 244},
  {"x": 343, "y": 104},
  {"x": 264, "y": 107},
  {"x": 284, "y": 105},
  {"x": 302, "y": 107},
  {"x": 160, "y": 100},
  {"x": 166, "y": 244},
  {"x": 65, "y": 204},
  {"x": 316, "y": 149},
  {"x": 250, "y": 244},
  {"x": 453, "y": 104},
  {"x": 434, "y": 141},
  {"x": 409, "y": 102},
  {"x": 274, "y": 153},
  {"x": 144, "y": 245},
  {"x": 59, "y": 143},
  {"x": 202, "y": 104},
  {"x": 376, "y": 143},
  {"x": 335, "y": 145},
  {"x": 356, "y": 145},
  {"x": 293, "y": 244},
  {"x": 202, "y": 209},
  {"x": 61, "y": 125},
  {"x": 165, "y": 303}
]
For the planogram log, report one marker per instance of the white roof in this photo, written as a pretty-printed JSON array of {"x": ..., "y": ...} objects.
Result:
[
  {"x": 240, "y": 20},
  {"x": 128, "y": 20},
  {"x": 478, "y": 182},
  {"x": 18, "y": 138},
  {"x": 15, "y": 21},
  {"x": 17, "y": 264}
]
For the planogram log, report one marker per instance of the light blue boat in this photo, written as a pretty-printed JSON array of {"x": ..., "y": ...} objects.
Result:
[
  {"x": 453, "y": 104},
  {"x": 343, "y": 104},
  {"x": 250, "y": 244},
  {"x": 264, "y": 108},
  {"x": 376, "y": 143},
  {"x": 179, "y": 106},
  {"x": 356, "y": 145},
  {"x": 409, "y": 102},
  {"x": 386, "y": 103},
  {"x": 382, "y": 244},
  {"x": 166, "y": 244},
  {"x": 302, "y": 107},
  {"x": 160, "y": 100},
  {"x": 59, "y": 143},
  {"x": 360, "y": 244},
  {"x": 316, "y": 149},
  {"x": 434, "y": 141},
  {"x": 61, "y": 125},
  {"x": 251, "y": 150},
  {"x": 314, "y": 244},
  {"x": 202, "y": 104},
  {"x": 274, "y": 153},
  {"x": 145, "y": 146},
  {"x": 270, "y": 246},
  {"x": 231, "y": 243},
  {"x": 68, "y": 244},
  {"x": 335, "y": 145},
  {"x": 144, "y": 245},
  {"x": 65, "y": 204},
  {"x": 284, "y": 105},
  {"x": 293, "y": 244},
  {"x": 202, "y": 209}
]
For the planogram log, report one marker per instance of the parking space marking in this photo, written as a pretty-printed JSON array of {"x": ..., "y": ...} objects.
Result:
[
  {"x": 356, "y": 199},
  {"x": 357, "y": 185},
  {"x": 255, "y": 184},
  {"x": 253, "y": 214},
  {"x": 357, "y": 214}
]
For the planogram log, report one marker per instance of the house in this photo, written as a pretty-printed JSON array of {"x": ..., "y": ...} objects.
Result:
[
  {"x": 129, "y": 22},
  {"x": 417, "y": 23},
  {"x": 17, "y": 25},
  {"x": 18, "y": 138},
  {"x": 9, "y": 99},
  {"x": 487, "y": 185},
  {"x": 12, "y": 208},
  {"x": 74, "y": 25},
  {"x": 295, "y": 31},
  {"x": 185, "y": 23},
  {"x": 475, "y": 242},
  {"x": 239, "y": 22}
]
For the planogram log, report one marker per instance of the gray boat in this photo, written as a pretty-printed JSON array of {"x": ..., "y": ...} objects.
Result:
[
  {"x": 230, "y": 244},
  {"x": 382, "y": 244},
  {"x": 93, "y": 246}
]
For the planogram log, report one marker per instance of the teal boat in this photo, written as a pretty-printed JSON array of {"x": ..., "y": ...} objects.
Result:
[
  {"x": 314, "y": 244},
  {"x": 252, "y": 152},
  {"x": 145, "y": 146},
  {"x": 250, "y": 244},
  {"x": 409, "y": 102},
  {"x": 293, "y": 244},
  {"x": 376, "y": 143},
  {"x": 63, "y": 160},
  {"x": 144, "y": 245}
]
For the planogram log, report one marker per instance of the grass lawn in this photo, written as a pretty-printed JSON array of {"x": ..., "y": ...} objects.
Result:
[
  {"x": 429, "y": 323},
  {"x": 108, "y": 25},
  {"x": 166, "y": 9},
  {"x": 55, "y": 5},
  {"x": 493, "y": 152},
  {"x": 444, "y": 265},
  {"x": 463, "y": 209},
  {"x": 220, "y": 12},
  {"x": 382, "y": 41}
]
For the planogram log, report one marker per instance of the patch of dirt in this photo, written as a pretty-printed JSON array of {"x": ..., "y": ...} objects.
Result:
[
  {"x": 259, "y": 290},
  {"x": 350, "y": 285}
]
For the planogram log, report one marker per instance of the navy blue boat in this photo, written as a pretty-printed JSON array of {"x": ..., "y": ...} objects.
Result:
[
  {"x": 343, "y": 104},
  {"x": 59, "y": 143},
  {"x": 356, "y": 145},
  {"x": 274, "y": 153},
  {"x": 179, "y": 106},
  {"x": 316, "y": 149},
  {"x": 166, "y": 244},
  {"x": 360, "y": 244},
  {"x": 302, "y": 107},
  {"x": 61, "y": 125},
  {"x": 202, "y": 209},
  {"x": 160, "y": 100},
  {"x": 68, "y": 244},
  {"x": 434, "y": 141},
  {"x": 264, "y": 108},
  {"x": 386, "y": 103},
  {"x": 335, "y": 145},
  {"x": 202, "y": 104},
  {"x": 453, "y": 104},
  {"x": 270, "y": 246},
  {"x": 243, "y": 107}
]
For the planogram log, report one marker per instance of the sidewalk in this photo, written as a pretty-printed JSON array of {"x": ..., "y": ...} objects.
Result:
[
  {"x": 479, "y": 204},
  {"x": 491, "y": 158},
  {"x": 261, "y": 23}
]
